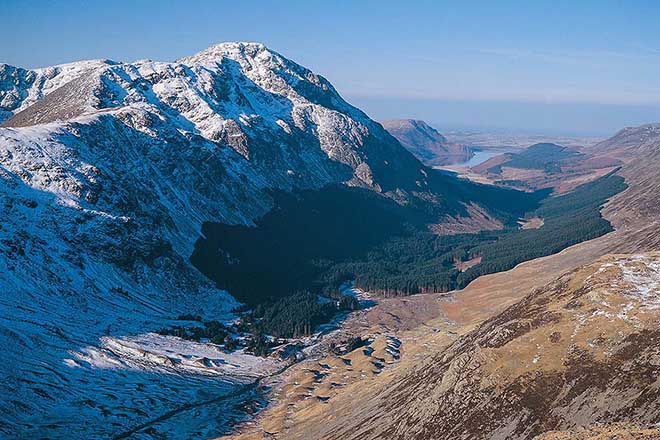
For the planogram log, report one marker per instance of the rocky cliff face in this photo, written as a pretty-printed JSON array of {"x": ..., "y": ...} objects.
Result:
[
  {"x": 267, "y": 109},
  {"x": 426, "y": 143}
]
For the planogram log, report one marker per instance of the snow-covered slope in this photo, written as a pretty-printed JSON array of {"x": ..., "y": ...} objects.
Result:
[
  {"x": 237, "y": 95},
  {"x": 107, "y": 171}
]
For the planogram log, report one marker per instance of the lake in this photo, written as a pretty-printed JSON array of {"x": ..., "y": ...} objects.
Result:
[{"x": 479, "y": 157}]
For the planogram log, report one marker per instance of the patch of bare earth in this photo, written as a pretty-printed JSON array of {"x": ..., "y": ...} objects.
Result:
[
  {"x": 483, "y": 167},
  {"x": 477, "y": 219},
  {"x": 571, "y": 180},
  {"x": 465, "y": 265},
  {"x": 531, "y": 223}
]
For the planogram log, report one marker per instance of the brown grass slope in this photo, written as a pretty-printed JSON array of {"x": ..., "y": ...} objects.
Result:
[
  {"x": 575, "y": 352},
  {"x": 537, "y": 350}
]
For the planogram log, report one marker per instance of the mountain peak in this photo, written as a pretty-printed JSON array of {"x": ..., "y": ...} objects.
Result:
[
  {"x": 417, "y": 123},
  {"x": 235, "y": 50},
  {"x": 238, "y": 45}
]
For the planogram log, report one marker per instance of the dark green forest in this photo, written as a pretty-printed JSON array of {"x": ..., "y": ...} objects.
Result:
[
  {"x": 423, "y": 262},
  {"x": 314, "y": 241}
]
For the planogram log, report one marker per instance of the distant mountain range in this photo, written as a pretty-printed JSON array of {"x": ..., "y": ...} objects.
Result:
[{"x": 485, "y": 139}]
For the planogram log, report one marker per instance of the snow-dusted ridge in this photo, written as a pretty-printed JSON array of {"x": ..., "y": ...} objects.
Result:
[{"x": 107, "y": 172}]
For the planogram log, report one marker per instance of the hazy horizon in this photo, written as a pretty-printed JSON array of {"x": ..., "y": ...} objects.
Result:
[
  {"x": 553, "y": 67},
  {"x": 524, "y": 118}
]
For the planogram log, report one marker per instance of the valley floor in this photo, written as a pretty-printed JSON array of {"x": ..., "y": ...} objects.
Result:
[
  {"x": 325, "y": 397},
  {"x": 424, "y": 324}
]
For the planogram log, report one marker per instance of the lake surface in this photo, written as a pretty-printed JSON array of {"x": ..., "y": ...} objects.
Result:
[{"x": 481, "y": 156}]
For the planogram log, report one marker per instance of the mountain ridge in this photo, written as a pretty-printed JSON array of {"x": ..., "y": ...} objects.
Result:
[{"x": 426, "y": 143}]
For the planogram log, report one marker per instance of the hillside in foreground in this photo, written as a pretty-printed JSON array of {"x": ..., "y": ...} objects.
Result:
[
  {"x": 583, "y": 324},
  {"x": 579, "y": 352}
]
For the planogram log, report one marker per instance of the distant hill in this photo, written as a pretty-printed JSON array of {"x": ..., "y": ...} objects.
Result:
[
  {"x": 626, "y": 143},
  {"x": 548, "y": 165},
  {"x": 544, "y": 156},
  {"x": 426, "y": 143}
]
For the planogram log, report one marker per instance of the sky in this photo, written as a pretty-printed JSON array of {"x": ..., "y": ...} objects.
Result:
[{"x": 543, "y": 67}]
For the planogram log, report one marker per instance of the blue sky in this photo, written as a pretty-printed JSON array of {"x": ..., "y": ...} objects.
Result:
[{"x": 580, "y": 67}]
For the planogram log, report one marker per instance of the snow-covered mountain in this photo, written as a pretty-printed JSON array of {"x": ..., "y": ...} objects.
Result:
[{"x": 107, "y": 171}]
